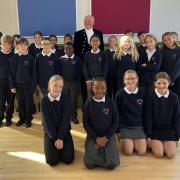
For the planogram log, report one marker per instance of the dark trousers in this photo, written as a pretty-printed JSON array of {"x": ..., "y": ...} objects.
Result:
[
  {"x": 6, "y": 103},
  {"x": 53, "y": 155},
  {"x": 25, "y": 101},
  {"x": 71, "y": 89},
  {"x": 83, "y": 89},
  {"x": 111, "y": 86}
]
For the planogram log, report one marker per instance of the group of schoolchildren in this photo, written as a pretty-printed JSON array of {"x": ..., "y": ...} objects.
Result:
[{"x": 132, "y": 90}]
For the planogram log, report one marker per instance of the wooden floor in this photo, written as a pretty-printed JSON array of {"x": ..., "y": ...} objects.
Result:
[{"x": 22, "y": 158}]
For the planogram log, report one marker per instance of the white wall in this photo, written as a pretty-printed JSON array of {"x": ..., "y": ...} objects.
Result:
[
  {"x": 165, "y": 16},
  {"x": 9, "y": 17}
]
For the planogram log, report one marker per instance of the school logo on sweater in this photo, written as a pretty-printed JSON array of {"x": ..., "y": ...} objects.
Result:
[
  {"x": 173, "y": 56},
  {"x": 106, "y": 110},
  {"x": 139, "y": 101},
  {"x": 51, "y": 63},
  {"x": 26, "y": 63},
  {"x": 73, "y": 62},
  {"x": 99, "y": 59}
]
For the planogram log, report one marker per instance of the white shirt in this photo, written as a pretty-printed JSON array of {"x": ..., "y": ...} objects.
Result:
[
  {"x": 4, "y": 52},
  {"x": 160, "y": 95},
  {"x": 112, "y": 49},
  {"x": 129, "y": 92},
  {"x": 150, "y": 53},
  {"x": 99, "y": 100},
  {"x": 95, "y": 52},
  {"x": 20, "y": 54},
  {"x": 66, "y": 56},
  {"x": 125, "y": 53},
  {"x": 16, "y": 51},
  {"x": 53, "y": 99},
  {"x": 37, "y": 46},
  {"x": 53, "y": 51},
  {"x": 89, "y": 33},
  {"x": 46, "y": 54}
]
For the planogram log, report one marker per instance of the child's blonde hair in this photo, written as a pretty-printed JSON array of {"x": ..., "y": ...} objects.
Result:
[
  {"x": 133, "y": 51},
  {"x": 53, "y": 79},
  {"x": 151, "y": 36},
  {"x": 6, "y": 39},
  {"x": 130, "y": 72}
]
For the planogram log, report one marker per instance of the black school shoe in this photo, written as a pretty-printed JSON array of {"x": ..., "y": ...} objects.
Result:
[
  {"x": 20, "y": 122},
  {"x": 8, "y": 122},
  {"x": 28, "y": 124},
  {"x": 75, "y": 120}
]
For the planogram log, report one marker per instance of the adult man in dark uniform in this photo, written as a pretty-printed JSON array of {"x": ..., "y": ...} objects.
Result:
[{"x": 82, "y": 45}]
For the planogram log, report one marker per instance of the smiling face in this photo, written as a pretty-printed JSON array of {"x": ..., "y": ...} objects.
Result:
[
  {"x": 68, "y": 50},
  {"x": 53, "y": 42},
  {"x": 46, "y": 46},
  {"x": 150, "y": 44},
  {"x": 55, "y": 88},
  {"x": 37, "y": 39},
  {"x": 162, "y": 85},
  {"x": 131, "y": 81},
  {"x": 6, "y": 47},
  {"x": 112, "y": 42},
  {"x": 89, "y": 22},
  {"x": 23, "y": 48},
  {"x": 95, "y": 43},
  {"x": 168, "y": 41},
  {"x": 142, "y": 38},
  {"x": 99, "y": 89}
]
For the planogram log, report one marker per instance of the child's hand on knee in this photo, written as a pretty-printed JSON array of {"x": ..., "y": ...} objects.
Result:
[{"x": 13, "y": 90}]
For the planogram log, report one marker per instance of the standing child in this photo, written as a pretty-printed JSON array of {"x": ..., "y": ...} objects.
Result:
[
  {"x": 70, "y": 67},
  {"x": 142, "y": 46},
  {"x": 162, "y": 120},
  {"x": 46, "y": 65},
  {"x": 126, "y": 56},
  {"x": 55, "y": 108},
  {"x": 67, "y": 38},
  {"x": 16, "y": 38},
  {"x": 35, "y": 47},
  {"x": 54, "y": 48},
  {"x": 95, "y": 62},
  {"x": 130, "y": 101},
  {"x": 23, "y": 82},
  {"x": 149, "y": 63},
  {"x": 171, "y": 61},
  {"x": 111, "y": 75},
  {"x": 6, "y": 97},
  {"x": 100, "y": 120}
]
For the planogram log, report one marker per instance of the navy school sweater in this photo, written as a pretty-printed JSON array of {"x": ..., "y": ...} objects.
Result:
[
  {"x": 162, "y": 113},
  {"x": 70, "y": 68},
  {"x": 100, "y": 118},
  {"x": 95, "y": 64},
  {"x": 171, "y": 62},
  {"x": 46, "y": 67},
  {"x": 130, "y": 108},
  {"x": 5, "y": 67},
  {"x": 56, "y": 117},
  {"x": 112, "y": 63},
  {"x": 146, "y": 74},
  {"x": 23, "y": 70},
  {"x": 33, "y": 50},
  {"x": 124, "y": 64}
]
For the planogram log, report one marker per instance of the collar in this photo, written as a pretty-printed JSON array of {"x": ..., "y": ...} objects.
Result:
[
  {"x": 37, "y": 46},
  {"x": 4, "y": 52},
  {"x": 150, "y": 52},
  {"x": 53, "y": 99},
  {"x": 53, "y": 51},
  {"x": 20, "y": 54},
  {"x": 113, "y": 49},
  {"x": 89, "y": 30},
  {"x": 46, "y": 54},
  {"x": 99, "y": 100},
  {"x": 129, "y": 92},
  {"x": 95, "y": 52},
  {"x": 16, "y": 51},
  {"x": 66, "y": 56},
  {"x": 125, "y": 53},
  {"x": 160, "y": 95}
]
